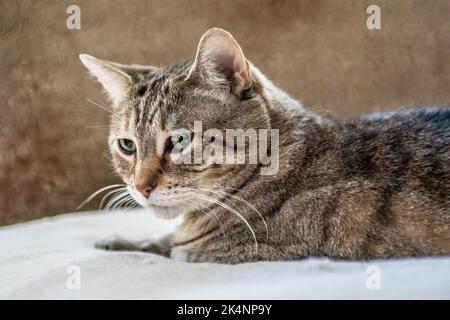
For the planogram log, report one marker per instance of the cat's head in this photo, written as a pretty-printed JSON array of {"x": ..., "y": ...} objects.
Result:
[{"x": 150, "y": 105}]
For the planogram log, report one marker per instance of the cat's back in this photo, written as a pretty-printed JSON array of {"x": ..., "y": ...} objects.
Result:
[
  {"x": 410, "y": 148},
  {"x": 415, "y": 138},
  {"x": 423, "y": 131},
  {"x": 404, "y": 160},
  {"x": 435, "y": 120}
]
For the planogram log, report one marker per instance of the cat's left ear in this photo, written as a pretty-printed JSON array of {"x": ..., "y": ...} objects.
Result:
[
  {"x": 220, "y": 62},
  {"x": 114, "y": 79}
]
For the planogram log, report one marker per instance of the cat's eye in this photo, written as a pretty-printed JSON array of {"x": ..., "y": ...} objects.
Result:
[{"x": 127, "y": 146}]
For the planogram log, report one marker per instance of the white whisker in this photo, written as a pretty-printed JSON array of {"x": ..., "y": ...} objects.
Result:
[
  {"x": 92, "y": 196},
  {"x": 116, "y": 198},
  {"x": 100, "y": 106},
  {"x": 121, "y": 202},
  {"x": 107, "y": 195},
  {"x": 227, "y": 194},
  {"x": 225, "y": 206},
  {"x": 130, "y": 204},
  {"x": 201, "y": 208}
]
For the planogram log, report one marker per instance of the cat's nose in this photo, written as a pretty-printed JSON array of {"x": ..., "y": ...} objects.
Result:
[
  {"x": 146, "y": 189},
  {"x": 146, "y": 176}
]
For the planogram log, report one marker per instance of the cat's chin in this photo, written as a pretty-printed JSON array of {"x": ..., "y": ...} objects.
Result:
[{"x": 166, "y": 212}]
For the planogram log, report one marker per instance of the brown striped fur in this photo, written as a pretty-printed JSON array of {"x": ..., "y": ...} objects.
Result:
[{"x": 376, "y": 186}]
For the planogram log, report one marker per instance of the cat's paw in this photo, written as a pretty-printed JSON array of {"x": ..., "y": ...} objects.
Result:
[
  {"x": 115, "y": 243},
  {"x": 156, "y": 247}
]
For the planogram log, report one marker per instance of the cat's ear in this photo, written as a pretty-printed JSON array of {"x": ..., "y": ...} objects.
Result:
[
  {"x": 220, "y": 62},
  {"x": 114, "y": 79}
]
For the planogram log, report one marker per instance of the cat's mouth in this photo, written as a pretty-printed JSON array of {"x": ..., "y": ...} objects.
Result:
[{"x": 166, "y": 208}]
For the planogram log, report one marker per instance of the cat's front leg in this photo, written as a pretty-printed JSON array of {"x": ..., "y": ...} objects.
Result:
[
  {"x": 115, "y": 243},
  {"x": 240, "y": 253}
]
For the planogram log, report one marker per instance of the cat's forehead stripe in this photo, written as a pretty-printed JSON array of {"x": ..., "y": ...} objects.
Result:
[
  {"x": 128, "y": 116},
  {"x": 141, "y": 110},
  {"x": 147, "y": 108}
]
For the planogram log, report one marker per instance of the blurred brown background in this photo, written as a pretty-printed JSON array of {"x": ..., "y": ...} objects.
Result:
[{"x": 52, "y": 152}]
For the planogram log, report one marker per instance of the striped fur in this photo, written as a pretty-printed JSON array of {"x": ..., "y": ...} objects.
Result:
[{"x": 377, "y": 186}]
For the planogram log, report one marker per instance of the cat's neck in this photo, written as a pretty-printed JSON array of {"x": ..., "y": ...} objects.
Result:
[{"x": 273, "y": 92}]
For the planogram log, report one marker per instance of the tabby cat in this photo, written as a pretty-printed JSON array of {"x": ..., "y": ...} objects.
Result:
[{"x": 377, "y": 186}]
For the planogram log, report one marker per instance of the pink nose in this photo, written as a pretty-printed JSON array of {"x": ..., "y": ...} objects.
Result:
[
  {"x": 146, "y": 177},
  {"x": 146, "y": 189},
  {"x": 146, "y": 192}
]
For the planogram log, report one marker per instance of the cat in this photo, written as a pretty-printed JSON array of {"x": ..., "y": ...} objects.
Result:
[{"x": 376, "y": 186}]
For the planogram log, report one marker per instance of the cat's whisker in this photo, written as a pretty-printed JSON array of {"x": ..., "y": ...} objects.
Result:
[
  {"x": 99, "y": 126},
  {"x": 116, "y": 198},
  {"x": 109, "y": 207},
  {"x": 127, "y": 203},
  {"x": 121, "y": 202},
  {"x": 202, "y": 208},
  {"x": 120, "y": 198},
  {"x": 134, "y": 205},
  {"x": 227, "y": 207},
  {"x": 233, "y": 196},
  {"x": 106, "y": 127},
  {"x": 92, "y": 196},
  {"x": 107, "y": 195},
  {"x": 130, "y": 204},
  {"x": 100, "y": 106}
]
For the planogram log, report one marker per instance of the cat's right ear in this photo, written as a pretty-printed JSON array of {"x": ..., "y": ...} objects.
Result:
[
  {"x": 115, "y": 81},
  {"x": 221, "y": 63}
]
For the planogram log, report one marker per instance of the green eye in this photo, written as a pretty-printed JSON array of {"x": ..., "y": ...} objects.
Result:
[{"x": 127, "y": 146}]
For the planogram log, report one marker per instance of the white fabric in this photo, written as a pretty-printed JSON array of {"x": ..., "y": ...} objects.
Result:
[{"x": 35, "y": 257}]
